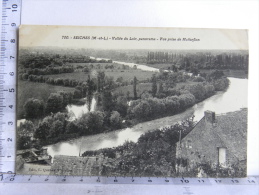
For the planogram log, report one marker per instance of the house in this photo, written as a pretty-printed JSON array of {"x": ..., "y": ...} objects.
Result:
[{"x": 216, "y": 140}]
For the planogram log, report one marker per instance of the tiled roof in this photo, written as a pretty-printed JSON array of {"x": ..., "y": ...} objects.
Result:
[
  {"x": 232, "y": 130},
  {"x": 75, "y": 165},
  {"x": 229, "y": 130}
]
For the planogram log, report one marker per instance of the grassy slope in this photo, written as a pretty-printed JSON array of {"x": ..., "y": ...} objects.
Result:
[{"x": 41, "y": 91}]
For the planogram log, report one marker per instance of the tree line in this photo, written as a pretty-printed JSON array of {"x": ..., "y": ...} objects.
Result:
[
  {"x": 33, "y": 60},
  {"x": 56, "y": 102},
  {"x": 47, "y": 71},
  {"x": 57, "y": 126},
  {"x": 206, "y": 60}
]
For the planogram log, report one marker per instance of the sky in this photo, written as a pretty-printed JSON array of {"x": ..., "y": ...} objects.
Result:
[{"x": 164, "y": 38}]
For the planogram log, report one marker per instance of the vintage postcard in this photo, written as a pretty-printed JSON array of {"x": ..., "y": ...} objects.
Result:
[{"x": 121, "y": 101}]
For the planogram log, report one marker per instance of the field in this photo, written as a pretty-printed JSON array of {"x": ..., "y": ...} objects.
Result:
[
  {"x": 142, "y": 87},
  {"x": 102, "y": 65},
  {"x": 41, "y": 91},
  {"x": 162, "y": 66},
  {"x": 127, "y": 75}
]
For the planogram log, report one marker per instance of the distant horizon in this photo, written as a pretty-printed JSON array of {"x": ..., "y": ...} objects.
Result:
[{"x": 62, "y": 48}]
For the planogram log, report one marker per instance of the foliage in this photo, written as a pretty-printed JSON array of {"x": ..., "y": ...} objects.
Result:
[
  {"x": 25, "y": 133},
  {"x": 107, "y": 101},
  {"x": 23, "y": 142},
  {"x": 193, "y": 61},
  {"x": 154, "y": 85},
  {"x": 135, "y": 88},
  {"x": 42, "y": 132},
  {"x": 115, "y": 120},
  {"x": 54, "y": 103},
  {"x": 121, "y": 105},
  {"x": 40, "y": 91},
  {"x": 152, "y": 155},
  {"x": 33, "y": 108},
  {"x": 149, "y": 108},
  {"x": 91, "y": 123}
]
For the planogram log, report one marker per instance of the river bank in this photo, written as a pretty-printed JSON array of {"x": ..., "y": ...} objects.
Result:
[{"x": 235, "y": 97}]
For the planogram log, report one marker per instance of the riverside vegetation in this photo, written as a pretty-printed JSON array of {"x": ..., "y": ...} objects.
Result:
[{"x": 121, "y": 101}]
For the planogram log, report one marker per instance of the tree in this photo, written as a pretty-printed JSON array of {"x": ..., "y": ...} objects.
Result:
[
  {"x": 174, "y": 68},
  {"x": 119, "y": 79},
  {"x": 154, "y": 85},
  {"x": 186, "y": 100},
  {"x": 67, "y": 97},
  {"x": 115, "y": 119},
  {"x": 109, "y": 83},
  {"x": 90, "y": 88},
  {"x": 42, "y": 131},
  {"x": 66, "y": 82},
  {"x": 26, "y": 129},
  {"x": 100, "y": 81},
  {"x": 72, "y": 127},
  {"x": 33, "y": 108},
  {"x": 121, "y": 105},
  {"x": 25, "y": 76},
  {"x": 194, "y": 70},
  {"x": 197, "y": 90},
  {"x": 91, "y": 122},
  {"x": 135, "y": 88},
  {"x": 107, "y": 101},
  {"x": 86, "y": 70},
  {"x": 171, "y": 80},
  {"x": 220, "y": 84},
  {"x": 56, "y": 129},
  {"x": 25, "y": 135},
  {"x": 160, "y": 90},
  {"x": 23, "y": 142},
  {"x": 54, "y": 103},
  {"x": 214, "y": 75},
  {"x": 77, "y": 94},
  {"x": 142, "y": 110}
]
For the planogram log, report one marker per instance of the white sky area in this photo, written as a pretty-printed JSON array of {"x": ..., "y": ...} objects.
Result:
[{"x": 210, "y": 39}]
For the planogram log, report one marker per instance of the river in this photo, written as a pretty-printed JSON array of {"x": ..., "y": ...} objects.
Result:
[
  {"x": 234, "y": 98},
  {"x": 76, "y": 111}
]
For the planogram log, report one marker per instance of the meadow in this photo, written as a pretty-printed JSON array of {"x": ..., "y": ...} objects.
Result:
[
  {"x": 127, "y": 75},
  {"x": 141, "y": 88}
]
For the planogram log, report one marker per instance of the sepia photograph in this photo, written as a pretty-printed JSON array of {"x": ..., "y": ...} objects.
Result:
[{"x": 132, "y": 101}]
